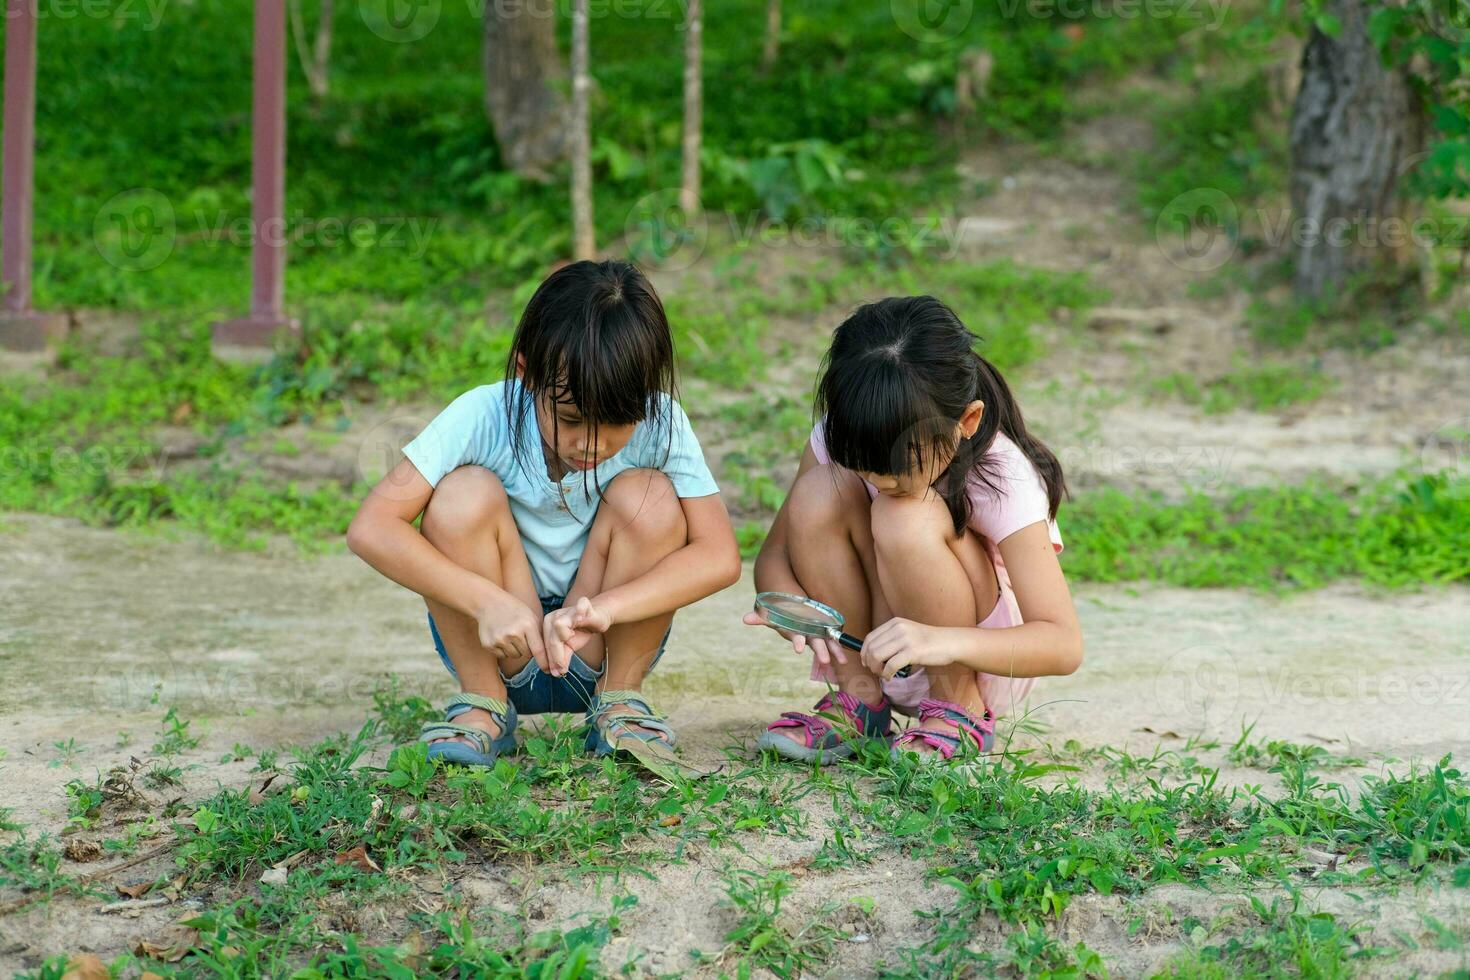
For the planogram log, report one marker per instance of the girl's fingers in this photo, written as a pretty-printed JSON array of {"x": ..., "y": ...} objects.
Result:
[{"x": 752, "y": 619}]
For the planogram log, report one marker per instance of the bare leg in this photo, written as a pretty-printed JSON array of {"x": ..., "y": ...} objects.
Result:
[
  {"x": 469, "y": 520},
  {"x": 638, "y": 524},
  {"x": 831, "y": 548},
  {"x": 957, "y": 586}
]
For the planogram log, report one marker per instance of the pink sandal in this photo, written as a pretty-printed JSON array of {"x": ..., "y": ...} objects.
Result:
[
  {"x": 979, "y": 731},
  {"x": 825, "y": 733}
]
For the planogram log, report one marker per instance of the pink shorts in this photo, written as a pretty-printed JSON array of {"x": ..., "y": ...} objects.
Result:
[{"x": 1000, "y": 693}]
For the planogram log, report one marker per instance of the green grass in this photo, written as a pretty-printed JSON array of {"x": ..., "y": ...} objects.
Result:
[
  {"x": 1399, "y": 532},
  {"x": 1258, "y": 388},
  {"x": 846, "y": 128},
  {"x": 1014, "y": 844}
]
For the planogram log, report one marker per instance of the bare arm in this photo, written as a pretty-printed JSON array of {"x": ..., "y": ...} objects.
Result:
[
  {"x": 709, "y": 562},
  {"x": 1048, "y": 643},
  {"x": 382, "y": 534},
  {"x": 773, "y": 564}
]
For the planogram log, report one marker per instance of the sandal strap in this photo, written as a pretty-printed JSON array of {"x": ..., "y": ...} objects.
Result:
[
  {"x": 977, "y": 730},
  {"x": 500, "y": 711},
  {"x": 819, "y": 726},
  {"x": 464, "y": 701},
  {"x": 447, "y": 729},
  {"x": 643, "y": 716}
]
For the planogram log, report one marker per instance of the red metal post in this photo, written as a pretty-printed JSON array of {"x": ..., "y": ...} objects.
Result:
[
  {"x": 268, "y": 187},
  {"x": 21, "y": 328}
]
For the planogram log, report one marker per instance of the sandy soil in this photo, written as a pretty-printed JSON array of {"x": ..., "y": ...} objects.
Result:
[
  {"x": 278, "y": 650},
  {"x": 100, "y": 630}
]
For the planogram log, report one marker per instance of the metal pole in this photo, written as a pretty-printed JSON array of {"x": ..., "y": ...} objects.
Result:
[
  {"x": 268, "y": 187},
  {"x": 21, "y": 328}
]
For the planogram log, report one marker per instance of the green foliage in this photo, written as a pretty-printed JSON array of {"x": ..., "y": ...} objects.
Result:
[
  {"x": 1430, "y": 40},
  {"x": 1404, "y": 531},
  {"x": 397, "y": 191},
  {"x": 1259, "y": 387}
]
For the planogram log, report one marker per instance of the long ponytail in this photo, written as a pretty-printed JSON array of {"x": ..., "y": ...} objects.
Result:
[{"x": 1003, "y": 414}]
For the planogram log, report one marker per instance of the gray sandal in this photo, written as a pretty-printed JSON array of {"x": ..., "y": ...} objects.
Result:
[{"x": 486, "y": 748}]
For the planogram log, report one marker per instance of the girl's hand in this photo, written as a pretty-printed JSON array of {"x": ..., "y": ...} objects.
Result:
[
  {"x": 510, "y": 630},
  {"x": 824, "y": 650},
  {"x": 901, "y": 643},
  {"x": 567, "y": 630}
]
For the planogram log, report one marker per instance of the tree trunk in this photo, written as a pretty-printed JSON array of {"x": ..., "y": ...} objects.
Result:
[
  {"x": 524, "y": 81},
  {"x": 584, "y": 244},
  {"x": 772, "y": 49},
  {"x": 693, "y": 105},
  {"x": 1356, "y": 127}
]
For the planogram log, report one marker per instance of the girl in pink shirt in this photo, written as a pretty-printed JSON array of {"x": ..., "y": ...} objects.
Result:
[{"x": 925, "y": 513}]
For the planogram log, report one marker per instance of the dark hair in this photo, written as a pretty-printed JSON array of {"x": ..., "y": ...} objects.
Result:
[
  {"x": 897, "y": 378},
  {"x": 594, "y": 334}
]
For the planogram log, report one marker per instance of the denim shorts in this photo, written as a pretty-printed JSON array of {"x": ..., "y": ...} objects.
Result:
[{"x": 535, "y": 692}]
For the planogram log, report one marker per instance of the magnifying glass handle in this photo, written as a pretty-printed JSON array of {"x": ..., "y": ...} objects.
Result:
[{"x": 853, "y": 643}]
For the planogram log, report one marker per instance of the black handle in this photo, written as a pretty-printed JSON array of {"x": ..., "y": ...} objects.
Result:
[{"x": 853, "y": 643}]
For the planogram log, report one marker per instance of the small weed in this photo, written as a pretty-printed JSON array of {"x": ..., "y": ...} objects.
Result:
[
  {"x": 174, "y": 736},
  {"x": 66, "y": 754}
]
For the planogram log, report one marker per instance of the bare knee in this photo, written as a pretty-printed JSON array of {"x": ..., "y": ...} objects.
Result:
[
  {"x": 466, "y": 500},
  {"x": 644, "y": 506},
  {"x": 905, "y": 528},
  {"x": 825, "y": 496}
]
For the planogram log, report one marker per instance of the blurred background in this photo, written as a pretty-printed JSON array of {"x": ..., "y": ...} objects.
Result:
[{"x": 1218, "y": 245}]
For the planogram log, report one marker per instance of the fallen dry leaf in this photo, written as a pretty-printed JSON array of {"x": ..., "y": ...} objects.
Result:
[
  {"x": 671, "y": 820},
  {"x": 169, "y": 946},
  {"x": 86, "y": 966},
  {"x": 135, "y": 891},
  {"x": 359, "y": 857},
  {"x": 274, "y": 876}
]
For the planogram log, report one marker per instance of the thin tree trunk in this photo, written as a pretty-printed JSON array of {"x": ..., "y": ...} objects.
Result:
[
  {"x": 693, "y": 105},
  {"x": 772, "y": 49},
  {"x": 316, "y": 65},
  {"x": 584, "y": 245},
  {"x": 1356, "y": 127},
  {"x": 524, "y": 81}
]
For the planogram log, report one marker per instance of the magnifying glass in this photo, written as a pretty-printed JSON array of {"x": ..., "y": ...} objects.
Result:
[{"x": 806, "y": 617}]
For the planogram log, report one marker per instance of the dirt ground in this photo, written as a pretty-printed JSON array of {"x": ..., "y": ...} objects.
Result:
[
  {"x": 101, "y": 629},
  {"x": 276, "y": 650}
]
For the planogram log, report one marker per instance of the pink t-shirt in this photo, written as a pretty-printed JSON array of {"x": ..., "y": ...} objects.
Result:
[{"x": 995, "y": 517}]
